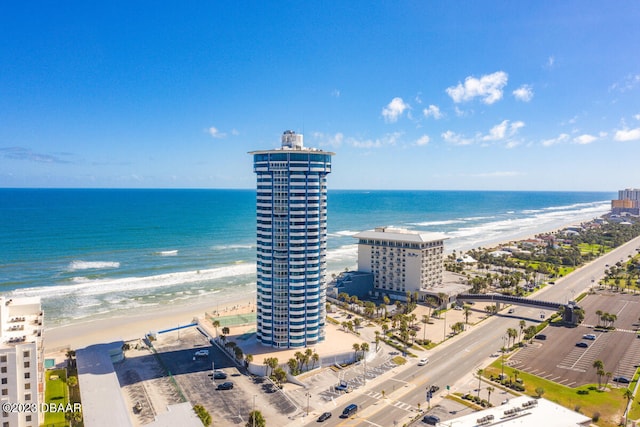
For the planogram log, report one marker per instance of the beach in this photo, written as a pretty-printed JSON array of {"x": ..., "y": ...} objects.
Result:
[{"x": 138, "y": 324}]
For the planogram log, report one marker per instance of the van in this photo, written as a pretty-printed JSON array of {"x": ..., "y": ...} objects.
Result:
[{"x": 349, "y": 410}]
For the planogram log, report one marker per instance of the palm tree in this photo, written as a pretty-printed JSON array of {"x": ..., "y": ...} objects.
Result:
[
  {"x": 225, "y": 330},
  {"x": 523, "y": 325},
  {"x": 467, "y": 313},
  {"x": 628, "y": 394},
  {"x": 315, "y": 358},
  {"x": 216, "y": 325},
  {"x": 356, "y": 349},
  {"x": 489, "y": 390},
  {"x": 607, "y": 377},
  {"x": 598, "y": 365},
  {"x": 364, "y": 348},
  {"x": 480, "y": 371}
]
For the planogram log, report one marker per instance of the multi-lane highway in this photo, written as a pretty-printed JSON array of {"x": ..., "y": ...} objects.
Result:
[{"x": 405, "y": 387}]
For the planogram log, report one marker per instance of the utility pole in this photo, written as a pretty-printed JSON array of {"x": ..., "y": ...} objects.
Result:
[{"x": 253, "y": 413}]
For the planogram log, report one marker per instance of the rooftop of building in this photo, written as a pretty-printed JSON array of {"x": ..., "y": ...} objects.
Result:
[
  {"x": 292, "y": 142},
  {"x": 400, "y": 235},
  {"x": 21, "y": 320},
  {"x": 522, "y": 411}
]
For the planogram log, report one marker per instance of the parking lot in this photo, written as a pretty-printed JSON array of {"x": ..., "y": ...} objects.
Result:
[
  {"x": 194, "y": 375},
  {"x": 559, "y": 359}
]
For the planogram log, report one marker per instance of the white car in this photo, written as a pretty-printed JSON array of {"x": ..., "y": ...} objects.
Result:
[
  {"x": 423, "y": 361},
  {"x": 201, "y": 353}
]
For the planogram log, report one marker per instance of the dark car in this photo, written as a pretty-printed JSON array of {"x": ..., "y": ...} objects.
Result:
[
  {"x": 623, "y": 380},
  {"x": 349, "y": 410},
  {"x": 434, "y": 388},
  {"x": 225, "y": 386},
  {"x": 219, "y": 375},
  {"x": 431, "y": 420},
  {"x": 325, "y": 416},
  {"x": 582, "y": 344},
  {"x": 541, "y": 337}
]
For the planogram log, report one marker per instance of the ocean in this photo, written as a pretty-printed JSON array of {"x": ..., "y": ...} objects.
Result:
[{"x": 92, "y": 253}]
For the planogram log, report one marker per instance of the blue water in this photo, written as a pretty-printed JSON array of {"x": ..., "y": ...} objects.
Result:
[{"x": 92, "y": 253}]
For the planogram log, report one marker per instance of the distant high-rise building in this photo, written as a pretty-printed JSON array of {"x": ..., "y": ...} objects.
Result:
[
  {"x": 291, "y": 206},
  {"x": 21, "y": 364},
  {"x": 628, "y": 202}
]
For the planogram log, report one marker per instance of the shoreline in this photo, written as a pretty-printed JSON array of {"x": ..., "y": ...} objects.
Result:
[{"x": 119, "y": 326}]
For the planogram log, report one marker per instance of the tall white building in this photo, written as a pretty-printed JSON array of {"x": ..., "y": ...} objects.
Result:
[
  {"x": 401, "y": 260},
  {"x": 291, "y": 210},
  {"x": 21, "y": 351}
]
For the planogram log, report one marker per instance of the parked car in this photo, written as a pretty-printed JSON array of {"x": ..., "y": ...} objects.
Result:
[
  {"x": 325, "y": 416},
  {"x": 219, "y": 375},
  {"x": 582, "y": 344},
  {"x": 201, "y": 353},
  {"x": 423, "y": 361},
  {"x": 622, "y": 380},
  {"x": 343, "y": 386},
  {"x": 541, "y": 337},
  {"x": 434, "y": 388},
  {"x": 589, "y": 337},
  {"x": 431, "y": 419},
  {"x": 511, "y": 310},
  {"x": 225, "y": 386}
]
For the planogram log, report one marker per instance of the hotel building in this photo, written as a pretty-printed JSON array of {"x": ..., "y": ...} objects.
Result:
[
  {"x": 401, "y": 260},
  {"x": 628, "y": 202},
  {"x": 21, "y": 369},
  {"x": 291, "y": 208}
]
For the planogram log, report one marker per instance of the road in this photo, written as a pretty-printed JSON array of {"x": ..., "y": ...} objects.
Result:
[{"x": 456, "y": 358}]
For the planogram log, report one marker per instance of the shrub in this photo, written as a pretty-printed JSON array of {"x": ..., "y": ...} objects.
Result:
[{"x": 595, "y": 417}]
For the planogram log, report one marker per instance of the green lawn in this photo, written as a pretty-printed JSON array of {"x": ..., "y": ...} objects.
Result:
[
  {"x": 609, "y": 404},
  {"x": 56, "y": 391}
]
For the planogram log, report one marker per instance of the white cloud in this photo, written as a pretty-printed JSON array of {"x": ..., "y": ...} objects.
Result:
[
  {"x": 627, "y": 135},
  {"x": 551, "y": 62},
  {"x": 335, "y": 93},
  {"x": 388, "y": 139},
  {"x": 394, "y": 110},
  {"x": 524, "y": 93},
  {"x": 456, "y": 139},
  {"x": 637, "y": 116},
  {"x": 563, "y": 137},
  {"x": 329, "y": 140},
  {"x": 215, "y": 133},
  {"x": 503, "y": 130},
  {"x": 628, "y": 83},
  {"x": 488, "y": 88},
  {"x": 423, "y": 140},
  {"x": 584, "y": 139},
  {"x": 513, "y": 144},
  {"x": 432, "y": 111}
]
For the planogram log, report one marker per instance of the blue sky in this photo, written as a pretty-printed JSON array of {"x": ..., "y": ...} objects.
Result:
[{"x": 491, "y": 95}]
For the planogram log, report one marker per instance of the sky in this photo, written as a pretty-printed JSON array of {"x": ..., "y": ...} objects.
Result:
[{"x": 432, "y": 95}]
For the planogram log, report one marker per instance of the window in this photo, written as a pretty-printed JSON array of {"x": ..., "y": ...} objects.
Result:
[
  {"x": 27, "y": 418},
  {"x": 3, "y": 370},
  {"x": 4, "y": 381},
  {"x": 5, "y": 391},
  {"x": 27, "y": 375},
  {"x": 27, "y": 386},
  {"x": 25, "y": 353},
  {"x": 3, "y": 358},
  {"x": 27, "y": 396},
  {"x": 27, "y": 364}
]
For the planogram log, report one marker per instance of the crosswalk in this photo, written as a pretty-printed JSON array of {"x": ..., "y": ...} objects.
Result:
[{"x": 398, "y": 404}]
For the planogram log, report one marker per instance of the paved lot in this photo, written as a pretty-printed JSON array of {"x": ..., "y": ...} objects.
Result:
[
  {"x": 194, "y": 376},
  {"x": 558, "y": 359}
]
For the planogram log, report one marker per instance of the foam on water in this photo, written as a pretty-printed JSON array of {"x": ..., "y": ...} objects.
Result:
[{"x": 92, "y": 265}]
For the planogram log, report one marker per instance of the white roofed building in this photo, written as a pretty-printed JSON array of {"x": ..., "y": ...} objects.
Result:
[{"x": 401, "y": 260}]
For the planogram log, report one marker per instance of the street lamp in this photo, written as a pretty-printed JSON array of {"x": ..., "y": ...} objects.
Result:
[
  {"x": 308, "y": 397},
  {"x": 253, "y": 413},
  {"x": 503, "y": 350}
]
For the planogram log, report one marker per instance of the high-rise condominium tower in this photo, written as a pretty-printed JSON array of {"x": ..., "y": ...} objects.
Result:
[{"x": 291, "y": 211}]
